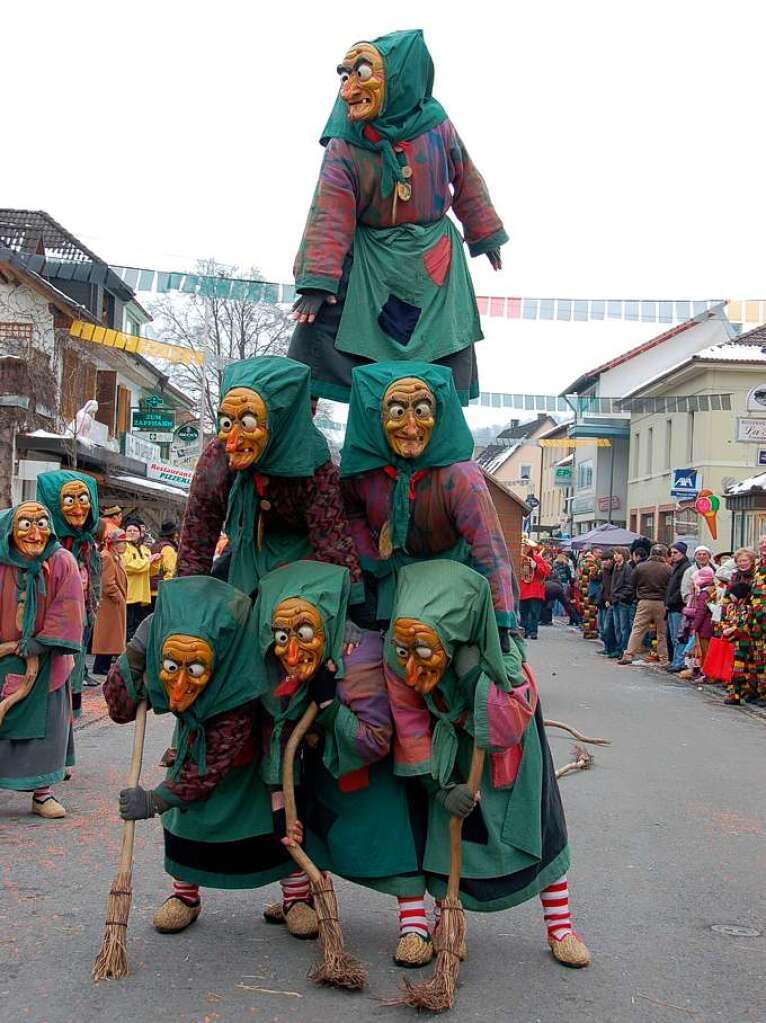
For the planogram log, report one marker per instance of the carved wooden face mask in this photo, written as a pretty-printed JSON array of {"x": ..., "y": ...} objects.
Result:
[
  {"x": 409, "y": 416},
  {"x": 74, "y": 502},
  {"x": 298, "y": 637},
  {"x": 186, "y": 668},
  {"x": 420, "y": 653},
  {"x": 31, "y": 529},
  {"x": 362, "y": 82},
  {"x": 242, "y": 426}
]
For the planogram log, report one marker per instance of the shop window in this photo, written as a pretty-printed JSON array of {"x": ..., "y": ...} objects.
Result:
[
  {"x": 585, "y": 475},
  {"x": 687, "y": 523},
  {"x": 665, "y": 529},
  {"x": 647, "y": 524},
  {"x": 633, "y": 521}
]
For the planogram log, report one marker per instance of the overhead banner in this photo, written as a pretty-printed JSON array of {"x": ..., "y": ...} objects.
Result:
[
  {"x": 132, "y": 343},
  {"x": 575, "y": 442},
  {"x": 242, "y": 289}
]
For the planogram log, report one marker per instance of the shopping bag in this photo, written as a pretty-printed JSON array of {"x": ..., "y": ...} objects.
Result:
[{"x": 719, "y": 660}]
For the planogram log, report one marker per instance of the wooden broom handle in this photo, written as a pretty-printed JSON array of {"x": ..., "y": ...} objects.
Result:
[
  {"x": 288, "y": 789},
  {"x": 456, "y": 827},
  {"x": 134, "y": 774}
]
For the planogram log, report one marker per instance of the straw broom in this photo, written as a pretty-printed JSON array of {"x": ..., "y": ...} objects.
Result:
[
  {"x": 112, "y": 961},
  {"x": 438, "y": 993},
  {"x": 338, "y": 967}
]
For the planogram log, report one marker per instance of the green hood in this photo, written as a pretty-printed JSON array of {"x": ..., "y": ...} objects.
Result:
[
  {"x": 222, "y": 616},
  {"x": 366, "y": 447},
  {"x": 295, "y": 449},
  {"x": 409, "y": 109},
  {"x": 456, "y": 603},
  {"x": 49, "y": 486},
  {"x": 31, "y": 583}
]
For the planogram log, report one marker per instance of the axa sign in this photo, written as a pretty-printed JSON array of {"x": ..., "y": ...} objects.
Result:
[{"x": 686, "y": 483}]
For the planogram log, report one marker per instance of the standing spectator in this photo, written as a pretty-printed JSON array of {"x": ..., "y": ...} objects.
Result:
[
  {"x": 701, "y": 618},
  {"x": 651, "y": 581},
  {"x": 165, "y": 566},
  {"x": 136, "y": 561},
  {"x": 623, "y": 598},
  {"x": 606, "y": 613},
  {"x": 563, "y": 570},
  {"x": 110, "y": 631},
  {"x": 702, "y": 557},
  {"x": 674, "y": 603},
  {"x": 111, "y": 519},
  {"x": 534, "y": 572}
]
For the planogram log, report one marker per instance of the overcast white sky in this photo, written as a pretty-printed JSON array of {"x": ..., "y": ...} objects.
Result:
[{"x": 623, "y": 143}]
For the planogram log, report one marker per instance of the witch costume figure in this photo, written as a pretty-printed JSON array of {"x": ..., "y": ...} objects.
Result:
[
  {"x": 41, "y": 622},
  {"x": 358, "y": 820},
  {"x": 72, "y": 498},
  {"x": 267, "y": 481},
  {"x": 380, "y": 271},
  {"x": 412, "y": 492},
  {"x": 194, "y": 658},
  {"x": 451, "y": 687}
]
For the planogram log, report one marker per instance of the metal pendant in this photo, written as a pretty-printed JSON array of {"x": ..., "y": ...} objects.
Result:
[
  {"x": 407, "y": 171},
  {"x": 385, "y": 547},
  {"x": 404, "y": 190}
]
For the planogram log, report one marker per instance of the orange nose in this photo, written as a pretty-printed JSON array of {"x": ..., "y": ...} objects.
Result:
[
  {"x": 232, "y": 441},
  {"x": 178, "y": 691},
  {"x": 411, "y": 670},
  {"x": 350, "y": 90},
  {"x": 292, "y": 656},
  {"x": 411, "y": 426},
  {"x": 34, "y": 534}
]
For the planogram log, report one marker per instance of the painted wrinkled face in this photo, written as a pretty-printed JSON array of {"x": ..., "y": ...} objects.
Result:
[
  {"x": 409, "y": 416},
  {"x": 31, "y": 529},
  {"x": 298, "y": 637},
  {"x": 362, "y": 82},
  {"x": 74, "y": 502},
  {"x": 243, "y": 427},
  {"x": 185, "y": 669},
  {"x": 420, "y": 653}
]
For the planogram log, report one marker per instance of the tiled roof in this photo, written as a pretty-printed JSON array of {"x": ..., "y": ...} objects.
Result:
[
  {"x": 29, "y": 231},
  {"x": 750, "y": 347},
  {"x": 752, "y": 483},
  {"x": 494, "y": 456},
  {"x": 520, "y": 431}
]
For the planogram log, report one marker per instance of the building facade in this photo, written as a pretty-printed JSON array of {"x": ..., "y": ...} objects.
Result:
[{"x": 515, "y": 457}]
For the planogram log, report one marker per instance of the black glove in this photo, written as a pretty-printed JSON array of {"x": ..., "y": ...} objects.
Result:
[
  {"x": 495, "y": 259},
  {"x": 458, "y": 801},
  {"x": 505, "y": 640},
  {"x": 310, "y": 302},
  {"x": 322, "y": 685},
  {"x": 139, "y": 804}
]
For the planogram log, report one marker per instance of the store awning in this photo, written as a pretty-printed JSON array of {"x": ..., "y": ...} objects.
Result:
[{"x": 148, "y": 488}]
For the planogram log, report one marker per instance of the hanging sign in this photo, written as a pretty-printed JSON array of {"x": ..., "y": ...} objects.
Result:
[
  {"x": 153, "y": 401},
  {"x": 152, "y": 421},
  {"x": 166, "y": 473},
  {"x": 140, "y": 448},
  {"x": 686, "y": 483},
  {"x": 756, "y": 399},
  {"x": 562, "y": 476}
]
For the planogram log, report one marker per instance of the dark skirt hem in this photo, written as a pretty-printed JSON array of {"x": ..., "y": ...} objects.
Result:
[{"x": 483, "y": 896}]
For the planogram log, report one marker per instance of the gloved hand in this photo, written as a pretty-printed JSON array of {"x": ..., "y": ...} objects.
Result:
[
  {"x": 466, "y": 659},
  {"x": 495, "y": 259},
  {"x": 322, "y": 685},
  {"x": 139, "y": 804},
  {"x": 307, "y": 305},
  {"x": 458, "y": 801},
  {"x": 352, "y": 636}
]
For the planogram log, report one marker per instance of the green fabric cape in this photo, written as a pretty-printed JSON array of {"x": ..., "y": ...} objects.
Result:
[
  {"x": 327, "y": 588},
  {"x": 222, "y": 616},
  {"x": 295, "y": 449},
  {"x": 31, "y": 582},
  {"x": 366, "y": 446},
  {"x": 408, "y": 110}
]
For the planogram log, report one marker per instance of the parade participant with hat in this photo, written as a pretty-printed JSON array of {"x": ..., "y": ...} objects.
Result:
[
  {"x": 110, "y": 629},
  {"x": 167, "y": 548},
  {"x": 451, "y": 687},
  {"x": 42, "y": 611},
  {"x": 356, "y": 814},
  {"x": 534, "y": 572},
  {"x": 111, "y": 518},
  {"x": 72, "y": 499},
  {"x": 194, "y": 658},
  {"x": 266, "y": 480},
  {"x": 381, "y": 272},
  {"x": 411, "y": 490}
]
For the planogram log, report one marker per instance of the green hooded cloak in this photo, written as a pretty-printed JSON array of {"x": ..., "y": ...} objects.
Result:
[
  {"x": 366, "y": 446},
  {"x": 408, "y": 110},
  {"x": 295, "y": 449},
  {"x": 325, "y": 586}
]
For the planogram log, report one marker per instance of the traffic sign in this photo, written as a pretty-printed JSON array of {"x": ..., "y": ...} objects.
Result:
[{"x": 531, "y": 501}]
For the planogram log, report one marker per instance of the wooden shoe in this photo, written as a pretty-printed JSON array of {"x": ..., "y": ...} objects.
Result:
[
  {"x": 274, "y": 913},
  {"x": 175, "y": 915},
  {"x": 49, "y": 808},
  {"x": 412, "y": 952},
  {"x": 301, "y": 920},
  {"x": 571, "y": 951}
]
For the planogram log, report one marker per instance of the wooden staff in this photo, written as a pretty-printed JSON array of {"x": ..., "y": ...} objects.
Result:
[
  {"x": 338, "y": 967},
  {"x": 438, "y": 993},
  {"x": 112, "y": 960},
  {"x": 576, "y": 734}
]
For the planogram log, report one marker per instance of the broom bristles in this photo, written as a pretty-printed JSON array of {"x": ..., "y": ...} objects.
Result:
[
  {"x": 438, "y": 993},
  {"x": 112, "y": 960},
  {"x": 338, "y": 967}
]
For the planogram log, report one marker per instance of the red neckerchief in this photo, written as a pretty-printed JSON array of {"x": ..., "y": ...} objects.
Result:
[
  {"x": 288, "y": 686},
  {"x": 261, "y": 482},
  {"x": 373, "y": 136},
  {"x": 389, "y": 470}
]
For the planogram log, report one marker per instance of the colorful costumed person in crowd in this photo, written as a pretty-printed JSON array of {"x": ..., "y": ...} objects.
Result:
[
  {"x": 412, "y": 492},
  {"x": 588, "y": 584},
  {"x": 194, "y": 657},
  {"x": 451, "y": 687},
  {"x": 357, "y": 815},
  {"x": 41, "y": 620},
  {"x": 72, "y": 498},
  {"x": 267, "y": 481},
  {"x": 380, "y": 271},
  {"x": 758, "y": 618},
  {"x": 734, "y": 627}
]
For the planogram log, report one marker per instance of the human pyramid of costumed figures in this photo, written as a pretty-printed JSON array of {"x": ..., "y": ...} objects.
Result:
[{"x": 369, "y": 612}]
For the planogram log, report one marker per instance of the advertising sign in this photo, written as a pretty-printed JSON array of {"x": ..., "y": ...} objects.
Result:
[
  {"x": 152, "y": 421},
  {"x": 174, "y": 474},
  {"x": 686, "y": 483},
  {"x": 751, "y": 431},
  {"x": 140, "y": 448},
  {"x": 562, "y": 476},
  {"x": 188, "y": 434},
  {"x": 153, "y": 401},
  {"x": 756, "y": 399}
]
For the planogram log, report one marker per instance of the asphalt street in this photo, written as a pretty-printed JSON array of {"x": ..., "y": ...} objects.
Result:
[{"x": 668, "y": 834}]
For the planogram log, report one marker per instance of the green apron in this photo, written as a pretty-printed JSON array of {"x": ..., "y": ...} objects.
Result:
[
  {"x": 28, "y": 719},
  {"x": 391, "y": 262}
]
